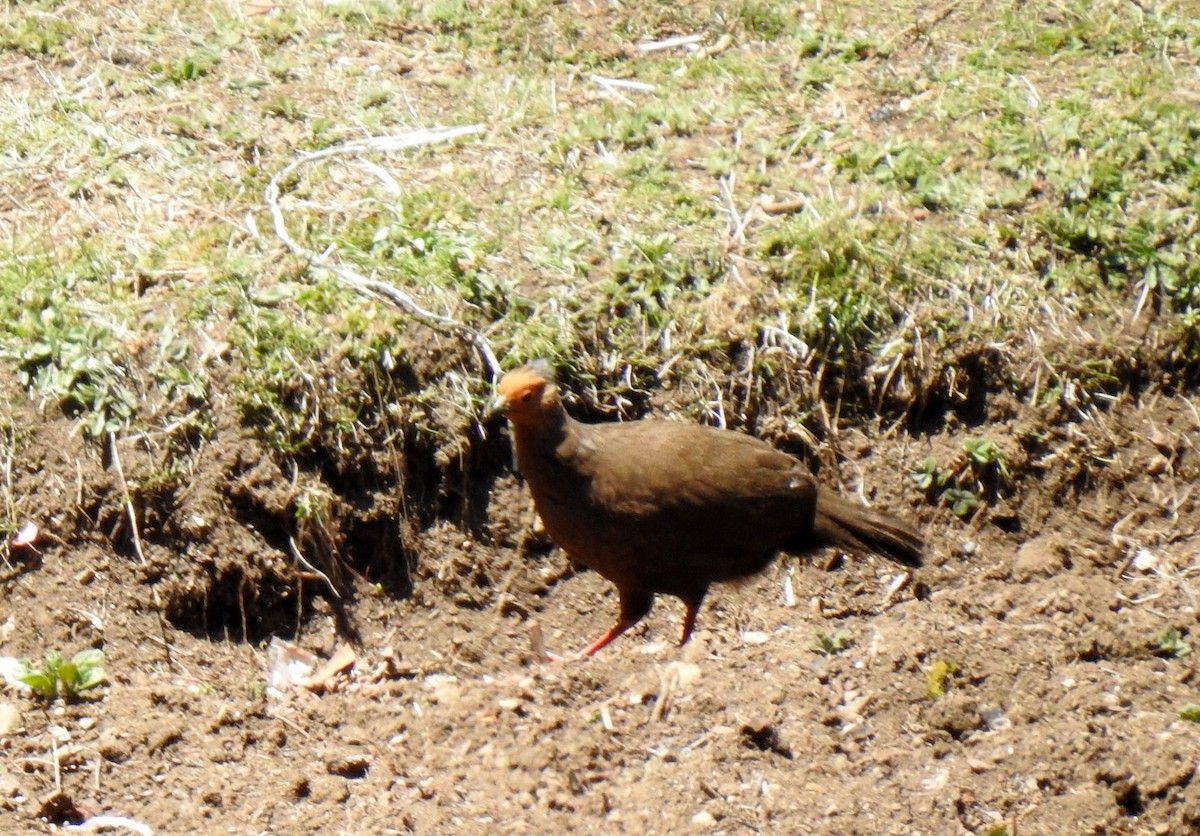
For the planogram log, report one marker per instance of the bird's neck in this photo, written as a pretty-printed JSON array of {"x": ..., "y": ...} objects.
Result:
[
  {"x": 544, "y": 436},
  {"x": 547, "y": 448}
]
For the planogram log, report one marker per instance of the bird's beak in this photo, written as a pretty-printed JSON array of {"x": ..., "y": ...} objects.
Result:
[{"x": 498, "y": 407}]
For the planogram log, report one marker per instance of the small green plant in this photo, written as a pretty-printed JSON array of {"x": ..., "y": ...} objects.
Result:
[
  {"x": 983, "y": 454},
  {"x": 285, "y": 107},
  {"x": 979, "y": 474},
  {"x": 188, "y": 68},
  {"x": 57, "y": 677},
  {"x": 928, "y": 476},
  {"x": 35, "y": 34},
  {"x": 80, "y": 362},
  {"x": 961, "y": 502},
  {"x": 448, "y": 14},
  {"x": 1170, "y": 644},
  {"x": 1190, "y": 712},
  {"x": 828, "y": 645},
  {"x": 937, "y": 676}
]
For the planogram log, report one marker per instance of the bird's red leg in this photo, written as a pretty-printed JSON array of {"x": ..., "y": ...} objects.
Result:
[
  {"x": 689, "y": 619},
  {"x": 617, "y": 629},
  {"x": 634, "y": 606}
]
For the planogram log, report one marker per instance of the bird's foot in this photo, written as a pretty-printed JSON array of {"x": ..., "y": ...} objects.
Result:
[{"x": 617, "y": 629}]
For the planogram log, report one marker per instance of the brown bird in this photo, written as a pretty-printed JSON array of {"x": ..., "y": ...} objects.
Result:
[{"x": 658, "y": 506}]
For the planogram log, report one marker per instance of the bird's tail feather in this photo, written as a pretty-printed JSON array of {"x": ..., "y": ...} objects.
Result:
[{"x": 849, "y": 525}]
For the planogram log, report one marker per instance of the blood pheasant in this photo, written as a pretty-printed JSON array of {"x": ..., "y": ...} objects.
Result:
[{"x": 665, "y": 507}]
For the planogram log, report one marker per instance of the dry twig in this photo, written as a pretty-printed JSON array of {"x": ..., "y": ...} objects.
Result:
[{"x": 129, "y": 509}]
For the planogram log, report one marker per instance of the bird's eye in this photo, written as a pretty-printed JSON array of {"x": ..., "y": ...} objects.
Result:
[{"x": 526, "y": 397}]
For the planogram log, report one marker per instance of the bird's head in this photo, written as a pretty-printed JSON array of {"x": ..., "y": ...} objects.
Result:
[{"x": 528, "y": 395}]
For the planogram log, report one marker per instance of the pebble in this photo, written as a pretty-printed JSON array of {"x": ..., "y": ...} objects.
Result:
[
  {"x": 10, "y": 719},
  {"x": 1039, "y": 556},
  {"x": 349, "y": 766}
]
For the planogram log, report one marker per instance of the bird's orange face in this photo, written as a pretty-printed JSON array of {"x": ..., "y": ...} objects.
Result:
[{"x": 525, "y": 394}]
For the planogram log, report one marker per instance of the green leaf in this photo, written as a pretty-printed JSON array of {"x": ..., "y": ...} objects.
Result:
[
  {"x": 82, "y": 672},
  {"x": 91, "y": 673},
  {"x": 926, "y": 475},
  {"x": 1171, "y": 643},
  {"x": 68, "y": 678},
  {"x": 962, "y": 502},
  {"x": 90, "y": 678},
  {"x": 984, "y": 453},
  {"x": 1190, "y": 712},
  {"x": 88, "y": 658},
  {"x": 41, "y": 680},
  {"x": 828, "y": 645},
  {"x": 54, "y": 661}
]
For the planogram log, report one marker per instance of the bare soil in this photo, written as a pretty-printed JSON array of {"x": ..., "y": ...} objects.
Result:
[{"x": 1059, "y": 713}]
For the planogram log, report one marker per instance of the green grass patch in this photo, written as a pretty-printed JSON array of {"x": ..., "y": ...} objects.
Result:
[{"x": 946, "y": 195}]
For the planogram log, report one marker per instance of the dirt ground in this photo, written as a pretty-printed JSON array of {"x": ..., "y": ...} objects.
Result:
[
  {"x": 1040, "y": 619},
  {"x": 1060, "y": 714}
]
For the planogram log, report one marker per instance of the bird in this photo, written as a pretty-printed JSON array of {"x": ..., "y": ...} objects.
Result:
[{"x": 665, "y": 507}]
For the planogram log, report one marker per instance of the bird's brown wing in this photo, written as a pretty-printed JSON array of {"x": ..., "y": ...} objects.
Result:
[{"x": 683, "y": 504}]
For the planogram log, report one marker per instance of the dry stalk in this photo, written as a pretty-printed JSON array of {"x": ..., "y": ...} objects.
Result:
[
  {"x": 130, "y": 511},
  {"x": 295, "y": 550},
  {"x": 922, "y": 26}
]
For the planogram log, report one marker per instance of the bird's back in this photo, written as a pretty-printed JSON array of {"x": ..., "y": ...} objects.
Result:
[{"x": 668, "y": 507}]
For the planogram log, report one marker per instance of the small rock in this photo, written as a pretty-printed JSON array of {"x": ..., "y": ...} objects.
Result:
[
  {"x": 1039, "y": 556},
  {"x": 164, "y": 738},
  {"x": 327, "y": 789},
  {"x": 1161, "y": 441},
  {"x": 112, "y": 747},
  {"x": 1158, "y": 464},
  {"x": 684, "y": 673},
  {"x": 956, "y": 714},
  {"x": 10, "y": 719},
  {"x": 995, "y": 718},
  {"x": 354, "y": 765},
  {"x": 10, "y": 787},
  {"x": 1144, "y": 560},
  {"x": 524, "y": 800},
  {"x": 704, "y": 819},
  {"x": 27, "y": 537},
  {"x": 937, "y": 781},
  {"x": 977, "y": 766}
]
